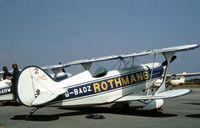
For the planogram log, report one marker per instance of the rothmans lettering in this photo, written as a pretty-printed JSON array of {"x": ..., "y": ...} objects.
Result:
[{"x": 120, "y": 81}]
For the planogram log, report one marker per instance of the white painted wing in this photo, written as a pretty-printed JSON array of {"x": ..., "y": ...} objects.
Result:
[
  {"x": 128, "y": 55},
  {"x": 163, "y": 95}
]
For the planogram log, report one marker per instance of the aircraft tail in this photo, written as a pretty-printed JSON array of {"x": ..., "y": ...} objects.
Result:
[{"x": 35, "y": 87}]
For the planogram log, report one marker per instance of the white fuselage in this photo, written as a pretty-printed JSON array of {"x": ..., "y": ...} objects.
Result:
[{"x": 83, "y": 89}]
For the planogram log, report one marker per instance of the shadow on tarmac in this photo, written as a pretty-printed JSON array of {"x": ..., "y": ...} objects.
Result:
[
  {"x": 36, "y": 117},
  {"x": 193, "y": 116},
  {"x": 93, "y": 111},
  {"x": 122, "y": 111},
  {"x": 193, "y": 103},
  {"x": 9, "y": 103}
]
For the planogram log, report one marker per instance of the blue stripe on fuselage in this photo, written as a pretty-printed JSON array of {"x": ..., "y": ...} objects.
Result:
[{"x": 110, "y": 84}]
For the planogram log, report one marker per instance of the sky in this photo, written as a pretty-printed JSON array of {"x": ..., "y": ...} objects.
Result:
[{"x": 45, "y": 32}]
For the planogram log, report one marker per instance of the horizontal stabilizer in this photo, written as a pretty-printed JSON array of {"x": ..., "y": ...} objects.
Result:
[
  {"x": 44, "y": 98},
  {"x": 47, "y": 97},
  {"x": 163, "y": 95}
]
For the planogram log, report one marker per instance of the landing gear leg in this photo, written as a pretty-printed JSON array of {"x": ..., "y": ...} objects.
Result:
[
  {"x": 159, "y": 109},
  {"x": 27, "y": 117}
]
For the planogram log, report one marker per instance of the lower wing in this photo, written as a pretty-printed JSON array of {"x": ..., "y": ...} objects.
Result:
[{"x": 163, "y": 95}]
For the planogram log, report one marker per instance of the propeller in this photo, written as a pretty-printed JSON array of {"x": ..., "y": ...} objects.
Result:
[{"x": 165, "y": 62}]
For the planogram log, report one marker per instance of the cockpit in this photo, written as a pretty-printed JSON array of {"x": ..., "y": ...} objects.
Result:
[{"x": 100, "y": 72}]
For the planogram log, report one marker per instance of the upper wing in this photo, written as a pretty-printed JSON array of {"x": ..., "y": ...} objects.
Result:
[{"x": 135, "y": 54}]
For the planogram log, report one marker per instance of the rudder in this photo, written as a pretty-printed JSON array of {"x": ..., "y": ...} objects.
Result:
[{"x": 35, "y": 87}]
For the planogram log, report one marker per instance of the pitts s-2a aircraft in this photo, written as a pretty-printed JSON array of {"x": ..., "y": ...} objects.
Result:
[{"x": 37, "y": 89}]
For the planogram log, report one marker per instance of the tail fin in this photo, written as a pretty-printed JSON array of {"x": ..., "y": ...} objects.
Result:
[{"x": 35, "y": 87}]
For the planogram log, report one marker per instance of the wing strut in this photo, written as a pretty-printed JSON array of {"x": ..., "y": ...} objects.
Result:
[
  {"x": 87, "y": 66},
  {"x": 168, "y": 56},
  {"x": 150, "y": 83}
]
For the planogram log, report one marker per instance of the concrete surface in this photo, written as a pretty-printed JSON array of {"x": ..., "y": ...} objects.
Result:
[{"x": 181, "y": 112}]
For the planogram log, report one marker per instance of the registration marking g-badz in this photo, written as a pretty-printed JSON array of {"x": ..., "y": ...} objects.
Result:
[{"x": 78, "y": 90}]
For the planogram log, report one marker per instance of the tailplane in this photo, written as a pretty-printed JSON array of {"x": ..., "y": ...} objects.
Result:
[{"x": 35, "y": 87}]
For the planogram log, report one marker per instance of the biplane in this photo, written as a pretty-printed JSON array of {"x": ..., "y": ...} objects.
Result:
[
  {"x": 176, "y": 79},
  {"x": 130, "y": 83}
]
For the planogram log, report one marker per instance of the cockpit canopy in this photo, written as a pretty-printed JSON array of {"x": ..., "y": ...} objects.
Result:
[{"x": 100, "y": 72}]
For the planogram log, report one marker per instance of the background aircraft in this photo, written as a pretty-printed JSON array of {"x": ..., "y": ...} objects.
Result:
[{"x": 176, "y": 79}]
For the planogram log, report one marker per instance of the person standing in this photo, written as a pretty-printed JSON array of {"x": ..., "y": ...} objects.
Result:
[
  {"x": 6, "y": 74},
  {"x": 14, "y": 79}
]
